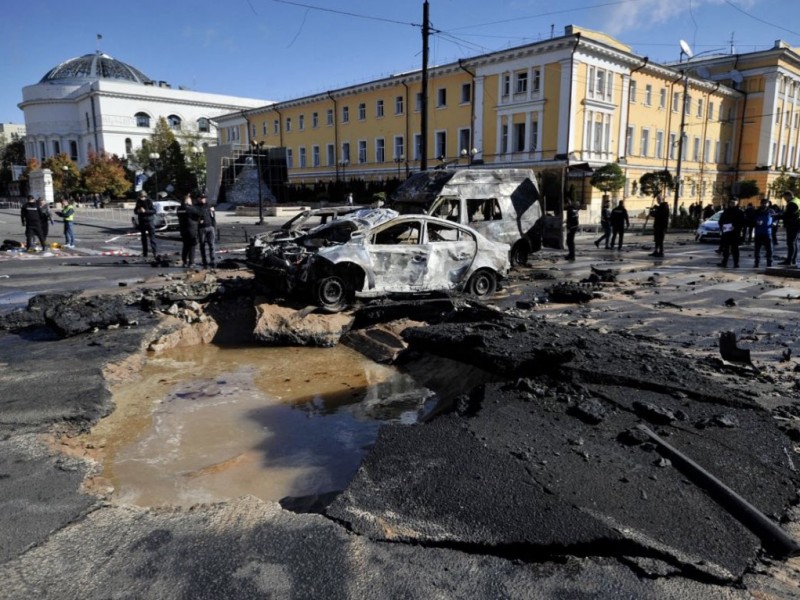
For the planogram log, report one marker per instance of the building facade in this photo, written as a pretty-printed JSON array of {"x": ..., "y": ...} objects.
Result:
[
  {"x": 564, "y": 105},
  {"x": 96, "y": 103}
]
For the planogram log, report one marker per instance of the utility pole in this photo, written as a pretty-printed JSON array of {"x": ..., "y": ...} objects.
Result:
[
  {"x": 426, "y": 31},
  {"x": 684, "y": 108}
]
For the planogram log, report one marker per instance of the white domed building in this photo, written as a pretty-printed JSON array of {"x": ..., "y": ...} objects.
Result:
[{"x": 98, "y": 103}]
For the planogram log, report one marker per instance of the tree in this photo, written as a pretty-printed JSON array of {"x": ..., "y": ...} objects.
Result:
[
  {"x": 171, "y": 164},
  {"x": 105, "y": 175},
  {"x": 608, "y": 178},
  {"x": 12, "y": 154},
  {"x": 747, "y": 188},
  {"x": 656, "y": 183},
  {"x": 65, "y": 181},
  {"x": 784, "y": 183}
]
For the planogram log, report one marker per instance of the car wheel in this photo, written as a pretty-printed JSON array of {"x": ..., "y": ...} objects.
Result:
[
  {"x": 483, "y": 283},
  {"x": 519, "y": 254},
  {"x": 331, "y": 293}
]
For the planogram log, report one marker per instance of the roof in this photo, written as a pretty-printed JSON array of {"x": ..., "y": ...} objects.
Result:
[{"x": 91, "y": 67}]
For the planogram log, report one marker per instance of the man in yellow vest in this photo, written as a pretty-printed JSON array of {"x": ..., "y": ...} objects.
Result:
[{"x": 67, "y": 213}]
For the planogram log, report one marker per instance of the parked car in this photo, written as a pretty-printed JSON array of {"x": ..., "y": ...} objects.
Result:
[
  {"x": 709, "y": 229},
  {"x": 166, "y": 217},
  {"x": 384, "y": 254},
  {"x": 502, "y": 204}
]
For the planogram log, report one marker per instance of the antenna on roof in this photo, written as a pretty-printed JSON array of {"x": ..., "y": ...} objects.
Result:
[
  {"x": 686, "y": 49},
  {"x": 99, "y": 37},
  {"x": 733, "y": 48}
]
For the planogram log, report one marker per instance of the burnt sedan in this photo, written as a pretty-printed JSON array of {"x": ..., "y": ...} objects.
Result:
[{"x": 385, "y": 254}]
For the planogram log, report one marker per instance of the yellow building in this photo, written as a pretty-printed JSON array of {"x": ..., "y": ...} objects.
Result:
[{"x": 560, "y": 106}]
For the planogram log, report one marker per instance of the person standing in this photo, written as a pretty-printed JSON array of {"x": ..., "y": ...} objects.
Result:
[
  {"x": 762, "y": 232},
  {"x": 32, "y": 222},
  {"x": 187, "y": 223},
  {"x": 67, "y": 214},
  {"x": 619, "y": 223},
  {"x": 605, "y": 223},
  {"x": 731, "y": 223},
  {"x": 350, "y": 199},
  {"x": 145, "y": 214},
  {"x": 749, "y": 223},
  {"x": 573, "y": 222},
  {"x": 660, "y": 214},
  {"x": 207, "y": 226},
  {"x": 47, "y": 218},
  {"x": 791, "y": 222}
]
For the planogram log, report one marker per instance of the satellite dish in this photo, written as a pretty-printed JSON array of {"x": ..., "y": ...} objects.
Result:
[
  {"x": 686, "y": 48},
  {"x": 703, "y": 72},
  {"x": 736, "y": 77}
]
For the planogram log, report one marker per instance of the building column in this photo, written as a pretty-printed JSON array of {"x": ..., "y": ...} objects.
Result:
[{"x": 477, "y": 124}]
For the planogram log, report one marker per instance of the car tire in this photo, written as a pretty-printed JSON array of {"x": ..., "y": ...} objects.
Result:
[
  {"x": 331, "y": 293},
  {"x": 482, "y": 284},
  {"x": 519, "y": 254}
]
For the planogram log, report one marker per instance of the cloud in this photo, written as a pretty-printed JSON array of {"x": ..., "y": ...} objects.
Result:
[{"x": 645, "y": 14}]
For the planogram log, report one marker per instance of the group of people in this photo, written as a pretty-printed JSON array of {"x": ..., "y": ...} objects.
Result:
[
  {"x": 736, "y": 226},
  {"x": 37, "y": 218},
  {"x": 197, "y": 223}
]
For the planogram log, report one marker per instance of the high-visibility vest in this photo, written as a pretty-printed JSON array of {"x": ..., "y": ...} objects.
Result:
[{"x": 69, "y": 213}]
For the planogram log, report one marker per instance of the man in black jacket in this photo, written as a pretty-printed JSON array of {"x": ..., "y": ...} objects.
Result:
[
  {"x": 731, "y": 222},
  {"x": 187, "y": 222},
  {"x": 619, "y": 223},
  {"x": 573, "y": 222},
  {"x": 207, "y": 223},
  {"x": 32, "y": 219},
  {"x": 145, "y": 213},
  {"x": 660, "y": 214}
]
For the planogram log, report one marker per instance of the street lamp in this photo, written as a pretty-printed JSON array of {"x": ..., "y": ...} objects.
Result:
[
  {"x": 343, "y": 164},
  {"x": 154, "y": 156},
  {"x": 196, "y": 152},
  {"x": 399, "y": 160},
  {"x": 471, "y": 154},
  {"x": 257, "y": 149},
  {"x": 65, "y": 168}
]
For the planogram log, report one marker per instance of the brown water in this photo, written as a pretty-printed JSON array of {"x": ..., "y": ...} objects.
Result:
[{"x": 206, "y": 423}]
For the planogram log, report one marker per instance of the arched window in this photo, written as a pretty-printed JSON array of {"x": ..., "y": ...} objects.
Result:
[
  {"x": 142, "y": 119},
  {"x": 174, "y": 122},
  {"x": 128, "y": 146},
  {"x": 203, "y": 125}
]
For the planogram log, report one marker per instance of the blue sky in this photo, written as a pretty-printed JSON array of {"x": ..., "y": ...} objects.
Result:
[{"x": 281, "y": 49}]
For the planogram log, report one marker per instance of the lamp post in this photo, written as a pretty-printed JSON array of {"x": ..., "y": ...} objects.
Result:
[
  {"x": 154, "y": 156},
  {"x": 399, "y": 160},
  {"x": 470, "y": 155},
  {"x": 343, "y": 164},
  {"x": 257, "y": 149},
  {"x": 65, "y": 169},
  {"x": 197, "y": 170}
]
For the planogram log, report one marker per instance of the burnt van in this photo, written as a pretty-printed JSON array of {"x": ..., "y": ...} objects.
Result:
[{"x": 502, "y": 204}]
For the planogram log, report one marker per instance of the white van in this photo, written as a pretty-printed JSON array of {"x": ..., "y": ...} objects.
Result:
[{"x": 501, "y": 204}]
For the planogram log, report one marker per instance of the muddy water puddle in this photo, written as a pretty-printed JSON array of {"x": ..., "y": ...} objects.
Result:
[{"x": 205, "y": 424}]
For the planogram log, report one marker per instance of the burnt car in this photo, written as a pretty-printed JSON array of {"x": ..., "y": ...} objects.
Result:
[
  {"x": 301, "y": 224},
  {"x": 384, "y": 254}
]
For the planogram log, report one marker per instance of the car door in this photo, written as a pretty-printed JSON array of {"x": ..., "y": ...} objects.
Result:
[
  {"x": 451, "y": 252},
  {"x": 397, "y": 257}
]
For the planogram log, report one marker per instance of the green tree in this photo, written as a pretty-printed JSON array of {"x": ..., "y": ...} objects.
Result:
[
  {"x": 105, "y": 175},
  {"x": 65, "y": 181},
  {"x": 748, "y": 188},
  {"x": 12, "y": 154},
  {"x": 171, "y": 164},
  {"x": 656, "y": 183},
  {"x": 608, "y": 178},
  {"x": 784, "y": 183}
]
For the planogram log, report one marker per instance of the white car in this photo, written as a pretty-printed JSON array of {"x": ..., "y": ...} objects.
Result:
[
  {"x": 709, "y": 229},
  {"x": 385, "y": 254},
  {"x": 166, "y": 216}
]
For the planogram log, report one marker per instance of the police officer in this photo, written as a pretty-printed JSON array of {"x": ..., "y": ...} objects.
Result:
[
  {"x": 762, "y": 232},
  {"x": 145, "y": 214},
  {"x": 791, "y": 221},
  {"x": 32, "y": 219},
  {"x": 573, "y": 222},
  {"x": 619, "y": 223},
  {"x": 660, "y": 214},
  {"x": 188, "y": 217},
  {"x": 731, "y": 222},
  {"x": 207, "y": 224}
]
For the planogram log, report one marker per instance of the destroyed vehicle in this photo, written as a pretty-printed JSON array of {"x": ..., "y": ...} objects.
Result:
[
  {"x": 409, "y": 254},
  {"x": 166, "y": 217},
  {"x": 302, "y": 223},
  {"x": 501, "y": 204}
]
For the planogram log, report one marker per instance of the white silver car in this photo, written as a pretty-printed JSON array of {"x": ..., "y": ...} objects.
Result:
[
  {"x": 709, "y": 229},
  {"x": 409, "y": 254}
]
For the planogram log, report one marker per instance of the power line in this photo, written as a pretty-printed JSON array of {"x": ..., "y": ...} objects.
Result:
[
  {"x": 346, "y": 13},
  {"x": 755, "y": 18}
]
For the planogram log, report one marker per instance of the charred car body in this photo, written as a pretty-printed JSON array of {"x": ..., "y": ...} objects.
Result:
[
  {"x": 376, "y": 252},
  {"x": 502, "y": 204}
]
